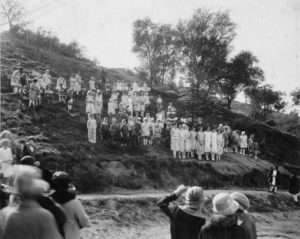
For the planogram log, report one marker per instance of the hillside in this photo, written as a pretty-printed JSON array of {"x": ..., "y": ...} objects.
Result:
[
  {"x": 62, "y": 139},
  {"x": 15, "y": 52}
]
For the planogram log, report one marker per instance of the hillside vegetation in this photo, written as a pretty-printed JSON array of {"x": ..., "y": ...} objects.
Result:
[{"x": 62, "y": 139}]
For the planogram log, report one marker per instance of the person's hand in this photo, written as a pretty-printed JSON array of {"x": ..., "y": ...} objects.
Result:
[{"x": 180, "y": 190}]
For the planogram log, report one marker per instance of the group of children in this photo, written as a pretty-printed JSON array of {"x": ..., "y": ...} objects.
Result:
[{"x": 209, "y": 144}]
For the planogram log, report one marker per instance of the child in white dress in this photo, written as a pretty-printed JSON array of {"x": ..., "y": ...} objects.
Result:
[
  {"x": 6, "y": 159},
  {"x": 92, "y": 129}
]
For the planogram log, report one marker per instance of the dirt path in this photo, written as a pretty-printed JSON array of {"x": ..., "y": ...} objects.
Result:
[
  {"x": 157, "y": 194},
  {"x": 134, "y": 215}
]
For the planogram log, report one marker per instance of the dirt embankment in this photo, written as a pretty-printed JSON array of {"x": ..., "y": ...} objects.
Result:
[{"x": 137, "y": 216}]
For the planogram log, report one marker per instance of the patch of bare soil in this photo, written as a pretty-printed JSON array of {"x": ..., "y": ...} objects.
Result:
[{"x": 136, "y": 215}]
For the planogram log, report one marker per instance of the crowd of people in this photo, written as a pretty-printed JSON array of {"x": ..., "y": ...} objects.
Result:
[{"x": 210, "y": 143}]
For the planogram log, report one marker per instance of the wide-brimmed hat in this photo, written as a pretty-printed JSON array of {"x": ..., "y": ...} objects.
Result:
[
  {"x": 241, "y": 199},
  {"x": 224, "y": 204},
  {"x": 27, "y": 180}
]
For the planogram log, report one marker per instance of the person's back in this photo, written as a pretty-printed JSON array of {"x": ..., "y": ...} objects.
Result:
[
  {"x": 30, "y": 221},
  {"x": 185, "y": 226},
  {"x": 220, "y": 227},
  {"x": 248, "y": 226},
  {"x": 76, "y": 219}
]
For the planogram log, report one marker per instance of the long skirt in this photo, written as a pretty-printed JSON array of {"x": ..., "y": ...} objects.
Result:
[
  {"x": 175, "y": 145},
  {"x": 90, "y": 108},
  {"x": 200, "y": 148},
  {"x": 77, "y": 87},
  {"x": 207, "y": 147}
]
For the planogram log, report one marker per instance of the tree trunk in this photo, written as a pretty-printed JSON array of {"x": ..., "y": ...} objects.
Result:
[{"x": 229, "y": 103}]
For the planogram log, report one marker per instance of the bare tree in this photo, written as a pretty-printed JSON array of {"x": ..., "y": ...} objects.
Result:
[{"x": 12, "y": 11}]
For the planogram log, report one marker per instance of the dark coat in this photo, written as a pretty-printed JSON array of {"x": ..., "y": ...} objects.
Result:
[
  {"x": 55, "y": 210},
  {"x": 183, "y": 225},
  {"x": 222, "y": 227},
  {"x": 270, "y": 178},
  {"x": 294, "y": 185}
]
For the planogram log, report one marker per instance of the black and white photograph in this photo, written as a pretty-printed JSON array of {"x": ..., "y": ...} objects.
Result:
[{"x": 150, "y": 119}]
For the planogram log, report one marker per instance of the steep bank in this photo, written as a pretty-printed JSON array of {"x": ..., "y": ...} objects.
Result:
[{"x": 137, "y": 216}]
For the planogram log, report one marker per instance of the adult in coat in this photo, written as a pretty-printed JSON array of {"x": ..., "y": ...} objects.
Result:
[
  {"x": 294, "y": 187},
  {"x": 186, "y": 220},
  {"x": 25, "y": 218},
  {"x": 246, "y": 221},
  {"x": 92, "y": 129},
  {"x": 220, "y": 144},
  {"x": 214, "y": 144},
  {"x": 223, "y": 223},
  {"x": 72, "y": 207},
  {"x": 273, "y": 179}
]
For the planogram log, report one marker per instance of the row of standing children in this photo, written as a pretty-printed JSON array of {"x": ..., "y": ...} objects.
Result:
[{"x": 186, "y": 143}]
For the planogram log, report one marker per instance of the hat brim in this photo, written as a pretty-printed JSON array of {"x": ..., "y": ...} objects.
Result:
[{"x": 234, "y": 206}]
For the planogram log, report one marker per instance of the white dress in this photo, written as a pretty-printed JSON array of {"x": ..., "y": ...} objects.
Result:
[
  {"x": 130, "y": 106},
  {"x": 15, "y": 78},
  {"x": 72, "y": 83},
  {"x": 77, "y": 85},
  {"x": 187, "y": 141},
  {"x": 243, "y": 141},
  {"x": 92, "y": 84},
  {"x": 6, "y": 155},
  {"x": 175, "y": 139},
  {"x": 214, "y": 143},
  {"x": 98, "y": 104},
  {"x": 111, "y": 108},
  {"x": 90, "y": 104},
  {"x": 146, "y": 129},
  {"x": 207, "y": 141},
  {"x": 181, "y": 140},
  {"x": 200, "y": 143},
  {"x": 220, "y": 143},
  {"x": 45, "y": 81}
]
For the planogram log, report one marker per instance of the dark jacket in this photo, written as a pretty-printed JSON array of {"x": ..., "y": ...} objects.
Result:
[
  {"x": 248, "y": 227},
  {"x": 294, "y": 185},
  {"x": 55, "y": 210},
  {"x": 183, "y": 225},
  {"x": 221, "y": 227}
]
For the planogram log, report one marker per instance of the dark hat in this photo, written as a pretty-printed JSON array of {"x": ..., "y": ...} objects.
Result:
[
  {"x": 27, "y": 160},
  {"x": 60, "y": 180}
]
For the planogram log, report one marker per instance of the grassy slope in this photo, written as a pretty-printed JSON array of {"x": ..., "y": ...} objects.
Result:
[{"x": 62, "y": 139}]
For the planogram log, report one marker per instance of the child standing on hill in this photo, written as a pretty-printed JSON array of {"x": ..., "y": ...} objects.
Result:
[
  {"x": 243, "y": 143},
  {"x": 98, "y": 104},
  {"x": 70, "y": 99},
  {"x": 6, "y": 159},
  {"x": 193, "y": 141},
  {"x": 220, "y": 144},
  {"x": 92, "y": 129},
  {"x": 90, "y": 103},
  {"x": 200, "y": 143}
]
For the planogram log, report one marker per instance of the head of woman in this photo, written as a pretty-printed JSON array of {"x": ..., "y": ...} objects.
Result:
[
  {"x": 194, "y": 197},
  {"x": 113, "y": 120},
  {"x": 208, "y": 128},
  {"x": 147, "y": 115}
]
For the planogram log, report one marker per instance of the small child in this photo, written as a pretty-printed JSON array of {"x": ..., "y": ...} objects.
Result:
[
  {"x": 70, "y": 99},
  {"x": 92, "y": 129}
]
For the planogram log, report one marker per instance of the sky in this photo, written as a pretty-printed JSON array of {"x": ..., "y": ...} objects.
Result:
[{"x": 268, "y": 28}]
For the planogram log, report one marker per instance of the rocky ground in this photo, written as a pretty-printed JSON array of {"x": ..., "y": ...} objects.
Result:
[{"x": 135, "y": 215}]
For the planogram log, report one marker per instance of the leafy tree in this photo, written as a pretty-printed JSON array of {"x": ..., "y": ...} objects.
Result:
[
  {"x": 265, "y": 100},
  {"x": 296, "y": 96},
  {"x": 204, "y": 43},
  {"x": 239, "y": 73},
  {"x": 13, "y": 12},
  {"x": 154, "y": 44}
]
